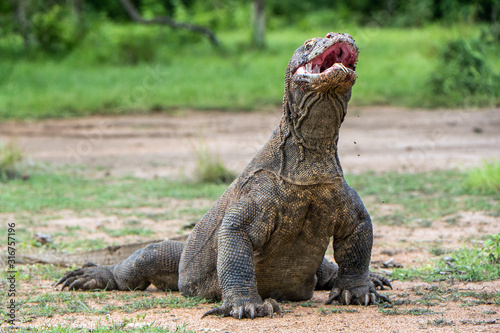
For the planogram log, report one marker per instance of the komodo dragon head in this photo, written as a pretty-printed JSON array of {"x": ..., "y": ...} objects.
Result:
[{"x": 324, "y": 64}]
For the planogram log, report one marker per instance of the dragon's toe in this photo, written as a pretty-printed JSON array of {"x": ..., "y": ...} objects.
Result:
[
  {"x": 88, "y": 278},
  {"x": 249, "y": 310}
]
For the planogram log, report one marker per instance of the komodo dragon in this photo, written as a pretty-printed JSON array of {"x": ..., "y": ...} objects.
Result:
[{"x": 266, "y": 237}]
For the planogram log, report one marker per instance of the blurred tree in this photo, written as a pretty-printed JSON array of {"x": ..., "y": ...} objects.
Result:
[
  {"x": 165, "y": 20},
  {"x": 52, "y": 25},
  {"x": 259, "y": 23},
  {"x": 21, "y": 20}
]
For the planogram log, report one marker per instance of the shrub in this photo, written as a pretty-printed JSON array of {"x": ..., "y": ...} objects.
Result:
[
  {"x": 211, "y": 169},
  {"x": 464, "y": 76},
  {"x": 10, "y": 157},
  {"x": 484, "y": 179},
  {"x": 57, "y": 30}
]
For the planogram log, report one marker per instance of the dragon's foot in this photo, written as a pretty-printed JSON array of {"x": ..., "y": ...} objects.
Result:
[
  {"x": 379, "y": 281},
  {"x": 89, "y": 277},
  {"x": 357, "y": 294},
  {"x": 249, "y": 310}
]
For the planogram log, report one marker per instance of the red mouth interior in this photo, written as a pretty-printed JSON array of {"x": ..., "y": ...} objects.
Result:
[{"x": 337, "y": 53}]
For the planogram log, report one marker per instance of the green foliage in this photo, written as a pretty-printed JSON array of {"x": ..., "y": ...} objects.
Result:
[
  {"x": 10, "y": 159},
  {"x": 491, "y": 248},
  {"x": 57, "y": 30},
  {"x": 180, "y": 70},
  {"x": 211, "y": 169},
  {"x": 382, "y": 13},
  {"x": 484, "y": 179},
  {"x": 479, "y": 263},
  {"x": 466, "y": 11},
  {"x": 424, "y": 196},
  {"x": 135, "y": 48},
  {"x": 112, "y": 9},
  {"x": 130, "y": 44},
  {"x": 227, "y": 16},
  {"x": 60, "y": 191},
  {"x": 464, "y": 76},
  {"x": 413, "y": 13}
]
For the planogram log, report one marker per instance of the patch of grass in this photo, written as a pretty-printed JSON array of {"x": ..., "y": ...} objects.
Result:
[
  {"x": 477, "y": 263},
  {"x": 440, "y": 322},
  {"x": 64, "y": 303},
  {"x": 424, "y": 196},
  {"x": 41, "y": 271},
  {"x": 479, "y": 297},
  {"x": 412, "y": 312},
  {"x": 420, "y": 312},
  {"x": 85, "y": 244},
  {"x": 61, "y": 191},
  {"x": 308, "y": 304},
  {"x": 336, "y": 310},
  {"x": 437, "y": 251},
  {"x": 115, "y": 327},
  {"x": 211, "y": 169},
  {"x": 144, "y": 303},
  {"x": 49, "y": 304},
  {"x": 396, "y": 218},
  {"x": 145, "y": 232},
  {"x": 484, "y": 179},
  {"x": 10, "y": 160}
]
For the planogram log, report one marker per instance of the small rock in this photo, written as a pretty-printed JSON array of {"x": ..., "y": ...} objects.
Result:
[
  {"x": 42, "y": 238},
  {"x": 391, "y": 264}
]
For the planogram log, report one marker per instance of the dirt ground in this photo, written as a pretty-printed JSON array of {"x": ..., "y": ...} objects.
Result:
[{"x": 377, "y": 138}]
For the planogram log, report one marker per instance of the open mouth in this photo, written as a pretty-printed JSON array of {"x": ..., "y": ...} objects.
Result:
[{"x": 340, "y": 56}]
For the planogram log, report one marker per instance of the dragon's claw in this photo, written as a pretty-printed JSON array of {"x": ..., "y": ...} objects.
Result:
[{"x": 249, "y": 310}]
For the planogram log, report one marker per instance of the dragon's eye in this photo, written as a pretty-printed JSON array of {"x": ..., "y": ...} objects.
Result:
[{"x": 308, "y": 45}]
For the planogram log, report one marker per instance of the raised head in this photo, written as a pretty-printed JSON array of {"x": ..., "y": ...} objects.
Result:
[{"x": 325, "y": 64}]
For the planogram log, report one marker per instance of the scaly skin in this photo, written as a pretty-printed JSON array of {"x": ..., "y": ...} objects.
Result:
[{"x": 266, "y": 236}]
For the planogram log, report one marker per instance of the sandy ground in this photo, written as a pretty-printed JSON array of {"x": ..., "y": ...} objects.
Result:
[{"x": 377, "y": 138}]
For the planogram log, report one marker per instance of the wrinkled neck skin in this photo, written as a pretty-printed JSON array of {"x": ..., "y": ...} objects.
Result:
[
  {"x": 314, "y": 118},
  {"x": 309, "y": 132}
]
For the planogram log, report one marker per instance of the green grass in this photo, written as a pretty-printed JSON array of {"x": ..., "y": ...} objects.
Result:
[
  {"x": 392, "y": 311},
  {"x": 211, "y": 169},
  {"x": 145, "y": 232},
  {"x": 65, "y": 191},
  {"x": 10, "y": 160},
  {"x": 423, "y": 196},
  {"x": 476, "y": 263},
  {"x": 394, "y": 68},
  {"x": 484, "y": 179}
]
